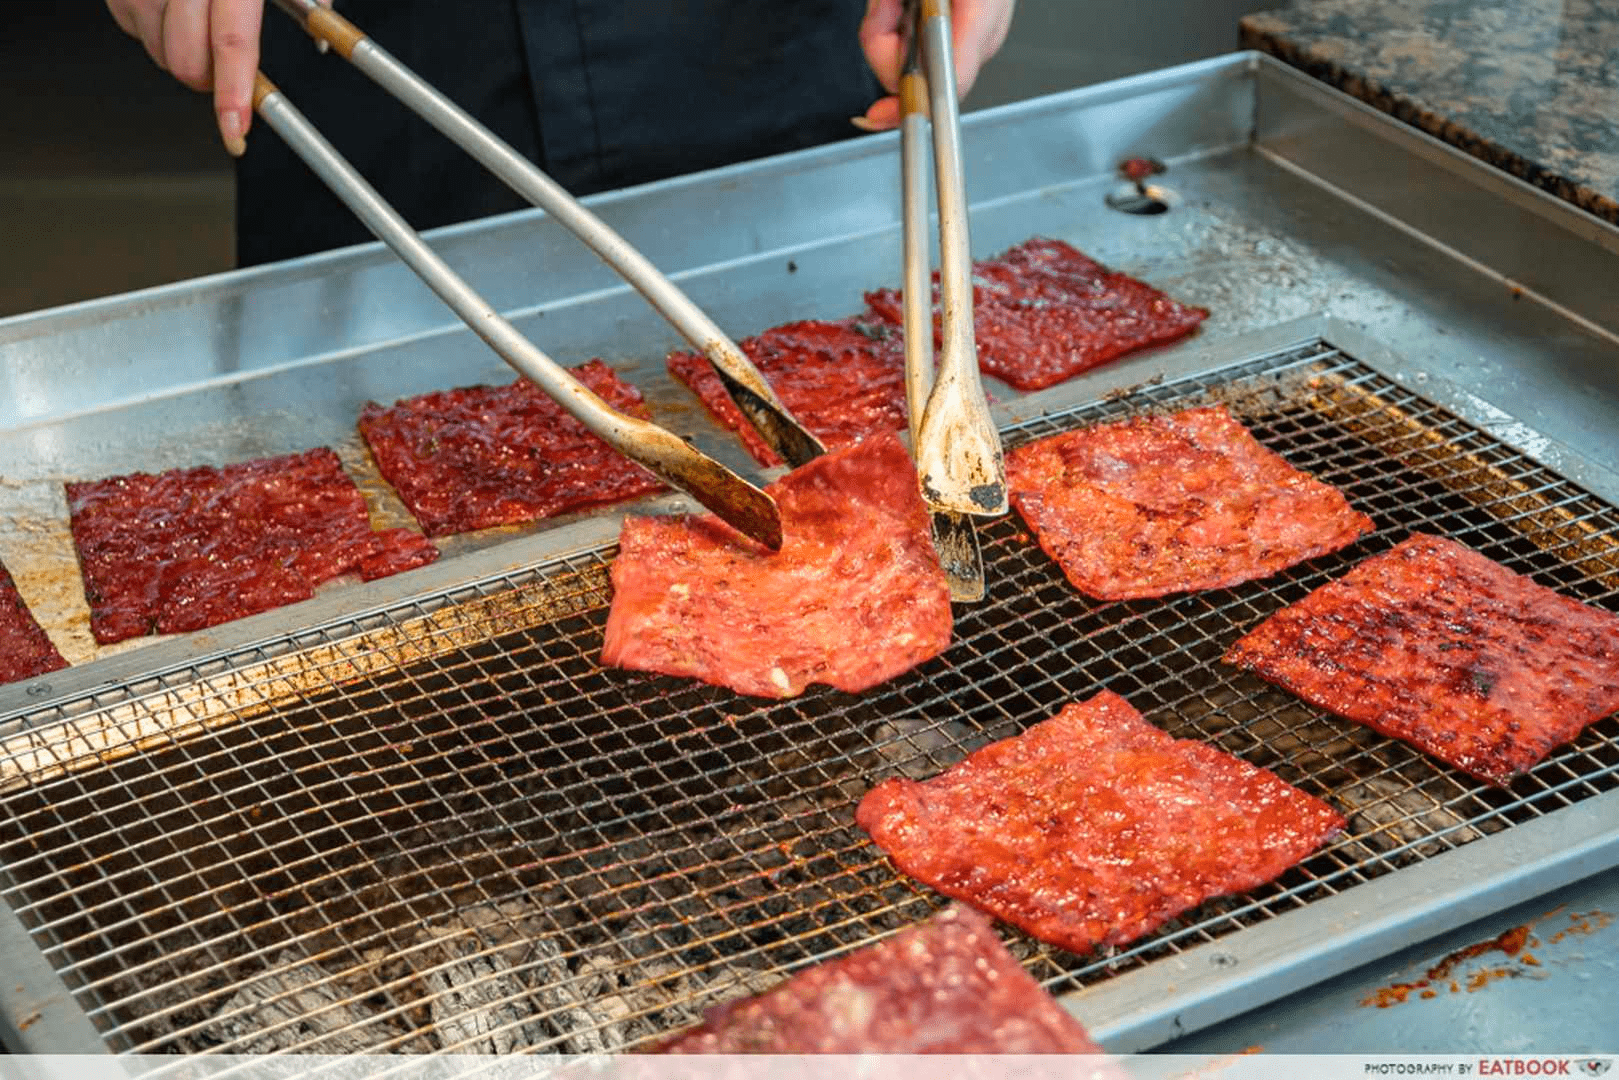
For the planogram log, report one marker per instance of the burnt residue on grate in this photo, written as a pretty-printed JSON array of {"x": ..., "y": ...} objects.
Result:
[{"x": 493, "y": 844}]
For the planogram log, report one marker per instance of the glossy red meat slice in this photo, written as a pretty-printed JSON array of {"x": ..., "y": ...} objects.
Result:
[
  {"x": 1163, "y": 504},
  {"x": 25, "y": 649},
  {"x": 1095, "y": 827},
  {"x": 843, "y": 381},
  {"x": 1438, "y": 645},
  {"x": 482, "y": 456},
  {"x": 947, "y": 986},
  {"x": 854, "y": 597},
  {"x": 1044, "y": 312},
  {"x": 196, "y": 547},
  {"x": 401, "y": 550}
]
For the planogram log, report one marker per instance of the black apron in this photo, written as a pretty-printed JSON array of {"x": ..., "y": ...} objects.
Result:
[{"x": 599, "y": 93}]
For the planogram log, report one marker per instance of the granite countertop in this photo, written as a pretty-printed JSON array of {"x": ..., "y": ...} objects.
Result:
[{"x": 1531, "y": 86}]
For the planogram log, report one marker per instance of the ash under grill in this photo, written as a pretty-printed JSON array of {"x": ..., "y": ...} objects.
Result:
[{"x": 445, "y": 828}]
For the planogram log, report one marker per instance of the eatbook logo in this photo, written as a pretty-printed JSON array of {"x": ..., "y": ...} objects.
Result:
[{"x": 1595, "y": 1066}]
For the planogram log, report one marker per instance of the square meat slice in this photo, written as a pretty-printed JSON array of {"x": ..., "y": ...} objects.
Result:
[
  {"x": 843, "y": 381},
  {"x": 1094, "y": 827},
  {"x": 482, "y": 456},
  {"x": 1444, "y": 648},
  {"x": 25, "y": 649},
  {"x": 1044, "y": 312},
  {"x": 947, "y": 986},
  {"x": 1162, "y": 504},
  {"x": 854, "y": 597},
  {"x": 191, "y": 548}
]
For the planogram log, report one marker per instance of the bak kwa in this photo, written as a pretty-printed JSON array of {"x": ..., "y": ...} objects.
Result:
[
  {"x": 25, "y": 649},
  {"x": 946, "y": 986},
  {"x": 854, "y": 597},
  {"x": 1044, "y": 312},
  {"x": 192, "y": 548},
  {"x": 844, "y": 380},
  {"x": 1162, "y": 504},
  {"x": 1094, "y": 827},
  {"x": 1438, "y": 645},
  {"x": 481, "y": 456}
]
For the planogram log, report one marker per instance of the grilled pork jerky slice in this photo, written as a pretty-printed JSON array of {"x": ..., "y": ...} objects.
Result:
[
  {"x": 192, "y": 548},
  {"x": 25, "y": 649},
  {"x": 1095, "y": 827},
  {"x": 843, "y": 380},
  {"x": 947, "y": 986},
  {"x": 1044, "y": 312},
  {"x": 1162, "y": 504},
  {"x": 854, "y": 597},
  {"x": 481, "y": 456},
  {"x": 1438, "y": 645}
]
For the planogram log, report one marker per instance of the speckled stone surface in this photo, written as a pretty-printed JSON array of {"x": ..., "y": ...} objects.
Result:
[{"x": 1531, "y": 86}]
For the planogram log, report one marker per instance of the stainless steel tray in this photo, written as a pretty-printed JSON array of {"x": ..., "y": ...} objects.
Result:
[{"x": 1285, "y": 208}]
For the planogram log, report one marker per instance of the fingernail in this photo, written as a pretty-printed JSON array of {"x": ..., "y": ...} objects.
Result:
[
  {"x": 323, "y": 46},
  {"x": 863, "y": 123},
  {"x": 230, "y": 130}
]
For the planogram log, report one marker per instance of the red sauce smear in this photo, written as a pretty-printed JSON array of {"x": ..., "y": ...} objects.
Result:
[
  {"x": 1514, "y": 942},
  {"x": 481, "y": 456}
]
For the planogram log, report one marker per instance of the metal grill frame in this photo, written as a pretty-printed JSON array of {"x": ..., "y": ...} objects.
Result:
[{"x": 1237, "y": 953}]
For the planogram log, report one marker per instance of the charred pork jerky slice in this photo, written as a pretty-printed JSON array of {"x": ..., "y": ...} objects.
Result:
[
  {"x": 1044, "y": 312},
  {"x": 191, "y": 548},
  {"x": 947, "y": 986},
  {"x": 1095, "y": 827},
  {"x": 1156, "y": 505},
  {"x": 1438, "y": 645},
  {"x": 854, "y": 597},
  {"x": 25, "y": 649},
  {"x": 482, "y": 456},
  {"x": 843, "y": 381}
]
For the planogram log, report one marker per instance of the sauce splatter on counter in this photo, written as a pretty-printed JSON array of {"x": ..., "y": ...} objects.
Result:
[{"x": 1516, "y": 943}]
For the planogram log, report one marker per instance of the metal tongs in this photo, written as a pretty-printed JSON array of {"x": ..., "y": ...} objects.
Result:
[
  {"x": 958, "y": 451},
  {"x": 733, "y": 499}
]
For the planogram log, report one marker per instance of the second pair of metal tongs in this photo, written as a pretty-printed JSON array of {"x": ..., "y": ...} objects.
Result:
[
  {"x": 733, "y": 499},
  {"x": 958, "y": 451}
]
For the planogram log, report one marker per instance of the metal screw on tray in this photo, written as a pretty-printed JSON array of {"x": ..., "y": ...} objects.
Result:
[
  {"x": 1223, "y": 960},
  {"x": 39, "y": 689},
  {"x": 1135, "y": 195}
]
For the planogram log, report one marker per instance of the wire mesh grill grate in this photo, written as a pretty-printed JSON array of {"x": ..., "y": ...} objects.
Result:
[{"x": 445, "y": 828}]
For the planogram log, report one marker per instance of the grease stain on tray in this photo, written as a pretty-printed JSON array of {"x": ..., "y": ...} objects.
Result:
[{"x": 1517, "y": 943}]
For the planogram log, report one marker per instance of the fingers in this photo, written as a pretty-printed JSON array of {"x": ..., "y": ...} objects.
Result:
[
  {"x": 979, "y": 28},
  {"x": 233, "y": 34},
  {"x": 882, "y": 116},
  {"x": 185, "y": 43},
  {"x": 882, "y": 42},
  {"x": 124, "y": 16}
]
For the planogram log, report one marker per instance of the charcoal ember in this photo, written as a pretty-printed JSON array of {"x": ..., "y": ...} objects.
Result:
[
  {"x": 1386, "y": 814},
  {"x": 630, "y": 1004},
  {"x": 295, "y": 1007},
  {"x": 918, "y": 747},
  {"x": 479, "y": 1003}
]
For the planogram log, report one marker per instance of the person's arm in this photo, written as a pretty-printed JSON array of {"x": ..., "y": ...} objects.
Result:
[
  {"x": 207, "y": 45},
  {"x": 978, "y": 26}
]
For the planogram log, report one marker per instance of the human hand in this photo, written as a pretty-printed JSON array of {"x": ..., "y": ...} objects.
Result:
[
  {"x": 207, "y": 45},
  {"x": 978, "y": 26}
]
